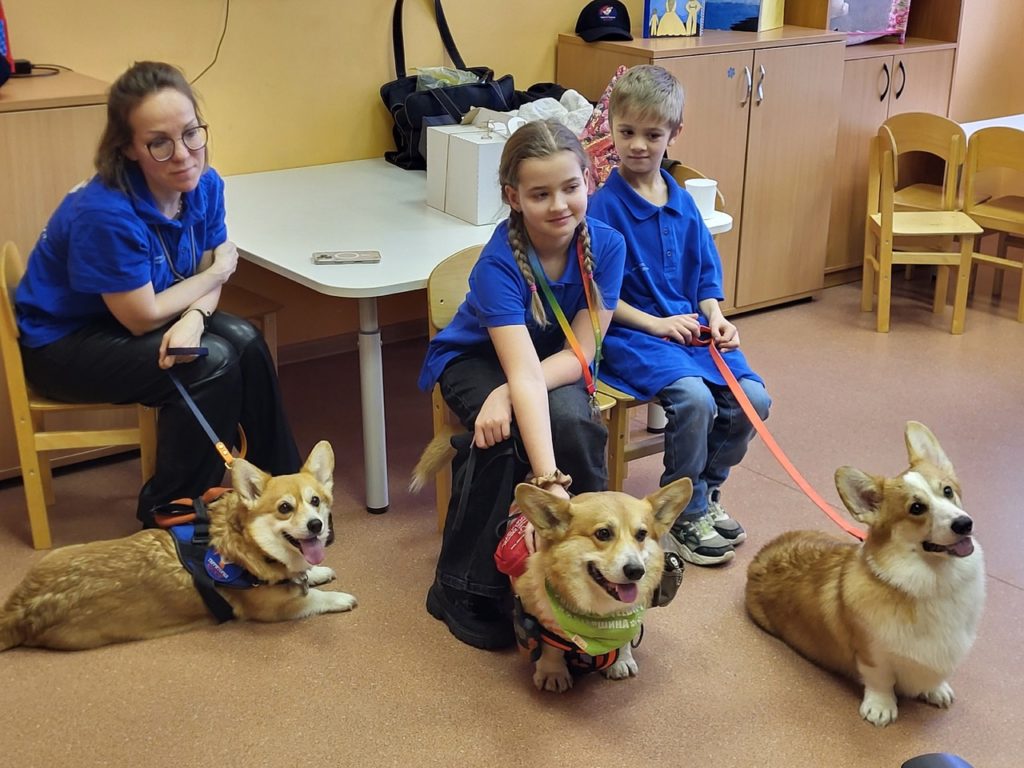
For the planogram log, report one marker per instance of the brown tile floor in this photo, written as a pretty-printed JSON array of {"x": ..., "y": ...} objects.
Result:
[{"x": 387, "y": 685}]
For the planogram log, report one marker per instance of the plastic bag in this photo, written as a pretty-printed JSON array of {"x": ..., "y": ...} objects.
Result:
[{"x": 443, "y": 77}]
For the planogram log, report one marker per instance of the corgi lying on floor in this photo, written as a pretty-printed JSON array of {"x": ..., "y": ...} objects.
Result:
[
  {"x": 596, "y": 565},
  {"x": 896, "y": 613},
  {"x": 134, "y": 588}
]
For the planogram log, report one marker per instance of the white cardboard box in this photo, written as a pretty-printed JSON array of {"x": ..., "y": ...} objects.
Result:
[{"x": 462, "y": 172}]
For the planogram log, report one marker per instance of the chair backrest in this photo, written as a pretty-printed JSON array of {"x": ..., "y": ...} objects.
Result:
[
  {"x": 883, "y": 176},
  {"x": 11, "y": 270},
  {"x": 935, "y": 135},
  {"x": 447, "y": 286},
  {"x": 682, "y": 173},
  {"x": 990, "y": 149}
]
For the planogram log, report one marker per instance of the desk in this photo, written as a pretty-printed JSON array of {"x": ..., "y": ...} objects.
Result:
[
  {"x": 279, "y": 218},
  {"x": 1010, "y": 121}
]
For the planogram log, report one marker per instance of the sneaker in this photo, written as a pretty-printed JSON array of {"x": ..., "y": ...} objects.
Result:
[
  {"x": 727, "y": 527},
  {"x": 699, "y": 543},
  {"x": 478, "y": 621}
]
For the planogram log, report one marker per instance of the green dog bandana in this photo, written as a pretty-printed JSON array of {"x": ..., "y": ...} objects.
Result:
[{"x": 596, "y": 635}]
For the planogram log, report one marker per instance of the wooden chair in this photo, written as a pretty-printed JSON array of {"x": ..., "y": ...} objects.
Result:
[
  {"x": 29, "y": 411},
  {"x": 447, "y": 286},
  {"x": 624, "y": 443},
  {"x": 997, "y": 149},
  {"x": 941, "y": 138},
  {"x": 883, "y": 224}
]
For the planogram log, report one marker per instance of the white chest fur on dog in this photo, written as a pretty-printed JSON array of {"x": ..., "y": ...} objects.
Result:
[{"x": 899, "y": 612}]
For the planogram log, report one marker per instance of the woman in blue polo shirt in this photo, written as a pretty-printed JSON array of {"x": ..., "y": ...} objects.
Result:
[
  {"x": 508, "y": 369},
  {"x": 130, "y": 265}
]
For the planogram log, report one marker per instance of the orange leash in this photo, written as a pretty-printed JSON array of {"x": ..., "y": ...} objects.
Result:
[{"x": 762, "y": 430}]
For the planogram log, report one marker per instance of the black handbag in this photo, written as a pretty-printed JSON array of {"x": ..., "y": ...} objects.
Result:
[{"x": 414, "y": 110}]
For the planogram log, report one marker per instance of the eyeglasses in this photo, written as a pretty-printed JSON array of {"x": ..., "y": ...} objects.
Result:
[{"x": 194, "y": 139}]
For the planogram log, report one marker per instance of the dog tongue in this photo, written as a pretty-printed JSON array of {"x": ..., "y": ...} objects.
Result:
[
  {"x": 962, "y": 548},
  {"x": 313, "y": 551},
  {"x": 627, "y": 592}
]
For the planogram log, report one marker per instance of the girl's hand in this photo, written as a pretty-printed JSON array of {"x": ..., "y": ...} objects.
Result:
[
  {"x": 187, "y": 332},
  {"x": 681, "y": 328},
  {"x": 494, "y": 422},
  {"x": 724, "y": 334}
]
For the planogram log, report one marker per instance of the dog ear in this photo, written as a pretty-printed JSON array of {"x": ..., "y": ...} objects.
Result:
[
  {"x": 923, "y": 446},
  {"x": 549, "y": 514},
  {"x": 248, "y": 480},
  {"x": 668, "y": 503},
  {"x": 860, "y": 492},
  {"x": 320, "y": 464}
]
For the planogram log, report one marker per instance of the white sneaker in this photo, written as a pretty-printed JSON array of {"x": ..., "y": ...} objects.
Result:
[
  {"x": 728, "y": 528},
  {"x": 699, "y": 543}
]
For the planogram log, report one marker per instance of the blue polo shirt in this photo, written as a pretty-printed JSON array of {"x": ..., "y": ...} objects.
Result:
[
  {"x": 100, "y": 240},
  {"x": 499, "y": 295},
  {"x": 671, "y": 266}
]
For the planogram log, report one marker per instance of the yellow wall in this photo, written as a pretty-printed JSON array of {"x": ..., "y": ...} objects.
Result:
[{"x": 297, "y": 81}]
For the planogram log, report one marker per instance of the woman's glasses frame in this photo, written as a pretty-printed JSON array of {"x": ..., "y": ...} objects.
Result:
[{"x": 193, "y": 139}]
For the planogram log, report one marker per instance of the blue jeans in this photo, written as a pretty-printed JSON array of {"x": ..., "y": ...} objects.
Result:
[{"x": 707, "y": 434}]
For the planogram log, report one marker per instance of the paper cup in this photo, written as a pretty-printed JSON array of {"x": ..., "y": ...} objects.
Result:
[{"x": 703, "y": 192}]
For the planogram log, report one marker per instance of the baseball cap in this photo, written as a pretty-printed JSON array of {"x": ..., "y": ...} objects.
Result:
[{"x": 603, "y": 20}]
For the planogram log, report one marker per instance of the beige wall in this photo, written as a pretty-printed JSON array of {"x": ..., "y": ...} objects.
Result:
[{"x": 297, "y": 81}]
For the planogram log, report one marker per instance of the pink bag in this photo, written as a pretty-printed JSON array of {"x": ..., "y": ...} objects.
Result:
[
  {"x": 596, "y": 138},
  {"x": 864, "y": 20}
]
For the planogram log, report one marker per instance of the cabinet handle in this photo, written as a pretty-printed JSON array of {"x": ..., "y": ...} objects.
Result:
[
  {"x": 903, "y": 71},
  {"x": 760, "y": 84},
  {"x": 888, "y": 81},
  {"x": 750, "y": 86}
]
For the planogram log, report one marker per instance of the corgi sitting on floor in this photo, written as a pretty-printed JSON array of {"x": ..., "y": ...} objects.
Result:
[
  {"x": 899, "y": 611},
  {"x": 596, "y": 564},
  {"x": 268, "y": 532}
]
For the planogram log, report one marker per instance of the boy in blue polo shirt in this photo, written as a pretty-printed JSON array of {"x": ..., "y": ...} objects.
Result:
[{"x": 672, "y": 284}]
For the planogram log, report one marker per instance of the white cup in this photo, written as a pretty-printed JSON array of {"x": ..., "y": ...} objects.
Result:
[{"x": 703, "y": 192}]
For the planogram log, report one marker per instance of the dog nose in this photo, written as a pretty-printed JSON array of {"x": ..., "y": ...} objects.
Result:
[
  {"x": 634, "y": 571},
  {"x": 315, "y": 525},
  {"x": 963, "y": 525}
]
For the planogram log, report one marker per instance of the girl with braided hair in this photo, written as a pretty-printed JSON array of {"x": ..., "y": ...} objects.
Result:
[{"x": 515, "y": 379}]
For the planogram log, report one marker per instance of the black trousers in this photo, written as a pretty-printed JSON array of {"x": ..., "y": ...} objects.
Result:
[
  {"x": 236, "y": 384},
  {"x": 474, "y": 528}
]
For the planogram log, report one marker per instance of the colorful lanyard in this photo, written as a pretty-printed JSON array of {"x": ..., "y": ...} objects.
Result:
[{"x": 542, "y": 280}]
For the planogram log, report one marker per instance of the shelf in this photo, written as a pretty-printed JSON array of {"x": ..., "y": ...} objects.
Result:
[{"x": 884, "y": 47}]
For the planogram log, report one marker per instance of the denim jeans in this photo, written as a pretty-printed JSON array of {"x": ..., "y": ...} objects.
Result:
[
  {"x": 235, "y": 384},
  {"x": 472, "y": 534},
  {"x": 707, "y": 434}
]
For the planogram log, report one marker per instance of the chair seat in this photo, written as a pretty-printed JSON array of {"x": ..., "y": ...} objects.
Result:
[
  {"x": 46, "y": 405},
  {"x": 922, "y": 197},
  {"x": 1003, "y": 213},
  {"x": 928, "y": 223}
]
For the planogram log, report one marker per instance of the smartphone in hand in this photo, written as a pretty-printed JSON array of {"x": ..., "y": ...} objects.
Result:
[{"x": 193, "y": 351}]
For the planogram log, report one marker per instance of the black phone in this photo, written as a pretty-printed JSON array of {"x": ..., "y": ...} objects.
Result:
[{"x": 183, "y": 351}]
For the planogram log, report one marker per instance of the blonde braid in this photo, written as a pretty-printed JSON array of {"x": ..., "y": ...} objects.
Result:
[
  {"x": 517, "y": 239},
  {"x": 588, "y": 265}
]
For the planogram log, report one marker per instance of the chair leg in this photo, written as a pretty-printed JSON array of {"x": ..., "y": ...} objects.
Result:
[
  {"x": 884, "y": 284},
  {"x": 941, "y": 289},
  {"x": 147, "y": 441},
  {"x": 618, "y": 434},
  {"x": 997, "y": 277},
  {"x": 35, "y": 496},
  {"x": 963, "y": 277},
  {"x": 867, "y": 289}
]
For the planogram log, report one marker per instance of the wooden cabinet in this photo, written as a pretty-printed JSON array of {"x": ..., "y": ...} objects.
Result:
[
  {"x": 49, "y": 129},
  {"x": 761, "y": 115}
]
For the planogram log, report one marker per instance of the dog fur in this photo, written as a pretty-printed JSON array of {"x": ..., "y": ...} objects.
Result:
[
  {"x": 136, "y": 588},
  {"x": 896, "y": 613},
  {"x": 610, "y": 534}
]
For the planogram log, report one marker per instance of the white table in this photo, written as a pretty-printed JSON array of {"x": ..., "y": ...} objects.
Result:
[
  {"x": 1009, "y": 121},
  {"x": 279, "y": 218}
]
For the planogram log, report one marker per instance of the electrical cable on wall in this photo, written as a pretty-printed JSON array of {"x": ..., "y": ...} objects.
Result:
[{"x": 216, "y": 54}]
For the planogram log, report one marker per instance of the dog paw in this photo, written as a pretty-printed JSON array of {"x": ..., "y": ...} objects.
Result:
[
  {"x": 320, "y": 574},
  {"x": 621, "y": 669},
  {"x": 557, "y": 680},
  {"x": 340, "y": 601},
  {"x": 879, "y": 709},
  {"x": 941, "y": 697}
]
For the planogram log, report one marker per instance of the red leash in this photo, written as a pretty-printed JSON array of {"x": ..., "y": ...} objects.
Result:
[{"x": 762, "y": 430}]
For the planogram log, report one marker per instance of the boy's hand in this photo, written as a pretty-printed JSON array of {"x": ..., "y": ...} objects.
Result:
[
  {"x": 724, "y": 334},
  {"x": 494, "y": 422},
  {"x": 681, "y": 328}
]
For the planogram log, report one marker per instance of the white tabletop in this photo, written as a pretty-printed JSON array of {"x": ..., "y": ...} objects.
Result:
[
  {"x": 280, "y": 217},
  {"x": 1010, "y": 121}
]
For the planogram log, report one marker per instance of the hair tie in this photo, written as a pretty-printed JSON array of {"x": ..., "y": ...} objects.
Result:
[{"x": 533, "y": 287}]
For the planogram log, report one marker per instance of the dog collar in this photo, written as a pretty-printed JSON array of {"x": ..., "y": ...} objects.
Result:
[{"x": 596, "y": 635}]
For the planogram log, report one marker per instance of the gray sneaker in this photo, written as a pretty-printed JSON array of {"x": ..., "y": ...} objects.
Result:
[
  {"x": 727, "y": 527},
  {"x": 699, "y": 543}
]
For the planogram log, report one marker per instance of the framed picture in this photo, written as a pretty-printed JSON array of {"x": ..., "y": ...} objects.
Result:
[
  {"x": 743, "y": 15},
  {"x": 673, "y": 18}
]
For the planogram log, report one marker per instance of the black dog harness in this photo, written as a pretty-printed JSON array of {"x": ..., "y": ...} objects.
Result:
[{"x": 530, "y": 633}]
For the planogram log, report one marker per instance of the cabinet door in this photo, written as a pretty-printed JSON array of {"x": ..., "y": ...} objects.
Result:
[
  {"x": 866, "y": 87},
  {"x": 714, "y": 136},
  {"x": 921, "y": 82},
  {"x": 790, "y": 154}
]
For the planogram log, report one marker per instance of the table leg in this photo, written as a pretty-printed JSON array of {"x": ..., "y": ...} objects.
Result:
[{"x": 371, "y": 378}]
